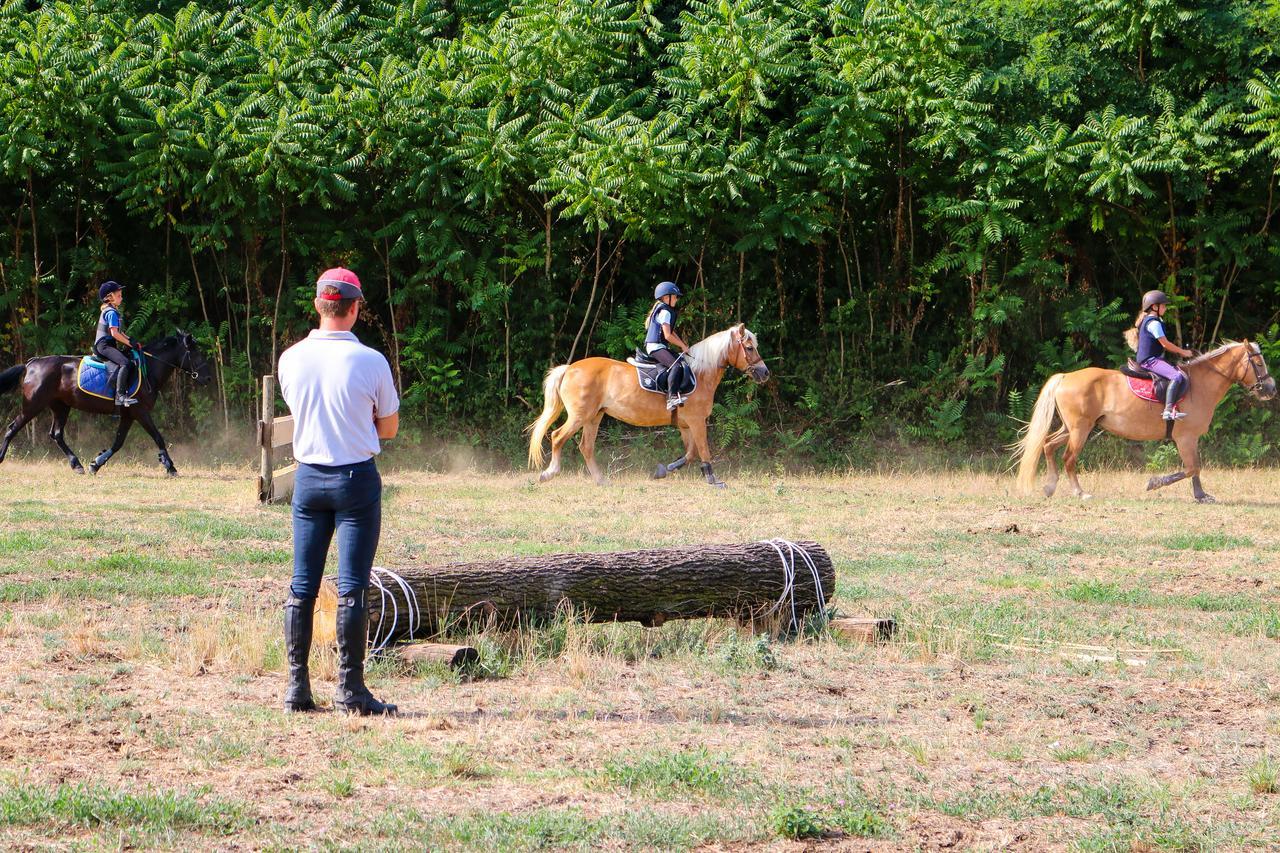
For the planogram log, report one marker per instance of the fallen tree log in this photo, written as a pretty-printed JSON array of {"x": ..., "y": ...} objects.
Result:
[{"x": 747, "y": 582}]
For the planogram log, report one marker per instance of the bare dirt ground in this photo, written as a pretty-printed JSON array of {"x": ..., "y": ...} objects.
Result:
[{"x": 1067, "y": 675}]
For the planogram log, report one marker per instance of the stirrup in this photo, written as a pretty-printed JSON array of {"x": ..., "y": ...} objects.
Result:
[
  {"x": 676, "y": 402},
  {"x": 1172, "y": 415},
  {"x": 123, "y": 400}
]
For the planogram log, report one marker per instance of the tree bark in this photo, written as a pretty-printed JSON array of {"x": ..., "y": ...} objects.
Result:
[{"x": 741, "y": 582}]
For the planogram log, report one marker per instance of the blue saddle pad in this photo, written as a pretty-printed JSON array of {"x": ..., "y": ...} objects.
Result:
[{"x": 98, "y": 378}]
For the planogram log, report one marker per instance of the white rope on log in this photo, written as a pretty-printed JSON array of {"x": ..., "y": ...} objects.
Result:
[
  {"x": 788, "y": 560},
  {"x": 386, "y": 630}
]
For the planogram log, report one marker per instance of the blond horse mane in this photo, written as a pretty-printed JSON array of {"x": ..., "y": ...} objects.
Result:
[
  {"x": 709, "y": 353},
  {"x": 1212, "y": 354}
]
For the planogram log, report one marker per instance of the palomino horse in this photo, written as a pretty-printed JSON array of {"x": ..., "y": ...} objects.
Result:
[
  {"x": 594, "y": 387},
  {"x": 50, "y": 383},
  {"x": 1097, "y": 397}
]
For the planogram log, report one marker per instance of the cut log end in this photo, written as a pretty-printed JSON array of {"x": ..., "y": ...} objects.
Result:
[
  {"x": 455, "y": 657},
  {"x": 864, "y": 630}
]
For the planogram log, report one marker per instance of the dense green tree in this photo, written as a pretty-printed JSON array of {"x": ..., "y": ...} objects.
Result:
[{"x": 923, "y": 207}]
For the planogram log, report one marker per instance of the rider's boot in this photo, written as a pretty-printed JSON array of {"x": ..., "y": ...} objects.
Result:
[
  {"x": 299, "y": 615},
  {"x": 353, "y": 635},
  {"x": 123, "y": 377},
  {"x": 1171, "y": 399}
]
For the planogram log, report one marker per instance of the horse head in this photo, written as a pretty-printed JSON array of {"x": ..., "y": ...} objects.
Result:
[
  {"x": 1263, "y": 385},
  {"x": 744, "y": 354},
  {"x": 193, "y": 360}
]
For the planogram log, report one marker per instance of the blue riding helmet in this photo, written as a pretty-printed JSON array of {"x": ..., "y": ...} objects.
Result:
[
  {"x": 667, "y": 288},
  {"x": 108, "y": 288}
]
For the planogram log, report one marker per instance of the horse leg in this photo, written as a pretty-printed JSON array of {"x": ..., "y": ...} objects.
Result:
[
  {"x": 671, "y": 468},
  {"x": 1189, "y": 452},
  {"x": 1051, "y": 446},
  {"x": 24, "y": 417},
  {"x": 558, "y": 438},
  {"x": 149, "y": 425},
  {"x": 587, "y": 444},
  {"x": 1078, "y": 434},
  {"x": 60, "y": 412},
  {"x": 698, "y": 432},
  {"x": 121, "y": 432}
]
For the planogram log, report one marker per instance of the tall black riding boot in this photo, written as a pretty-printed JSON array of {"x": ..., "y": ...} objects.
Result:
[
  {"x": 1171, "y": 397},
  {"x": 299, "y": 614},
  {"x": 123, "y": 377},
  {"x": 353, "y": 636}
]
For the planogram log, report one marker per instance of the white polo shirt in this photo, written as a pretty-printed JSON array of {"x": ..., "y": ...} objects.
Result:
[{"x": 334, "y": 387}]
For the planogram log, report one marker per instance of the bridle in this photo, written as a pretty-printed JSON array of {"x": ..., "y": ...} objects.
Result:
[
  {"x": 751, "y": 359},
  {"x": 183, "y": 363},
  {"x": 1259, "y": 366}
]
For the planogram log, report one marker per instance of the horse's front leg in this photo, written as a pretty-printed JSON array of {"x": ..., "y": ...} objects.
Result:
[
  {"x": 149, "y": 425},
  {"x": 672, "y": 467},
  {"x": 1189, "y": 450},
  {"x": 698, "y": 433},
  {"x": 121, "y": 432}
]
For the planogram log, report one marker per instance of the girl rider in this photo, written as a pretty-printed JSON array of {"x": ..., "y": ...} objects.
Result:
[
  {"x": 108, "y": 335},
  {"x": 1152, "y": 343},
  {"x": 660, "y": 334}
]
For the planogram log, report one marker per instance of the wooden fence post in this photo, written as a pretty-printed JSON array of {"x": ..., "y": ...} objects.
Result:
[
  {"x": 273, "y": 433},
  {"x": 265, "y": 425}
]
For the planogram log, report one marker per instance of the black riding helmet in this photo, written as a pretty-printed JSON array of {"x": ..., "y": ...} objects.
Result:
[{"x": 107, "y": 288}]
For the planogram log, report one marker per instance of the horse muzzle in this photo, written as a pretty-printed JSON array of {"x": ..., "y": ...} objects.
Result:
[
  {"x": 1267, "y": 390},
  {"x": 760, "y": 374}
]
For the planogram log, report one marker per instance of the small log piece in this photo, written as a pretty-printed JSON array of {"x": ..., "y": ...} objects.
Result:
[
  {"x": 451, "y": 656},
  {"x": 862, "y": 630}
]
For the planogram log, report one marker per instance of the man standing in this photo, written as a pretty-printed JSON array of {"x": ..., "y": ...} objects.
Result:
[{"x": 343, "y": 400}]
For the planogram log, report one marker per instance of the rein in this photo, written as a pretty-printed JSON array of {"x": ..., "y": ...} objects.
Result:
[{"x": 181, "y": 365}]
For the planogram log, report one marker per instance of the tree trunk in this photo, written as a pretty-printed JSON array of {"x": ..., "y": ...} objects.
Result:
[{"x": 741, "y": 582}]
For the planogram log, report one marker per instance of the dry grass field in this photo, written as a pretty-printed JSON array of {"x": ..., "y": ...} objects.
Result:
[{"x": 1087, "y": 676}]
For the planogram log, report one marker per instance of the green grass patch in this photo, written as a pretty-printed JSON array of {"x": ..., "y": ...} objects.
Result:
[
  {"x": 22, "y": 542},
  {"x": 1102, "y": 592},
  {"x": 1206, "y": 542},
  {"x": 97, "y": 806},
  {"x": 670, "y": 775},
  {"x": 561, "y": 829}
]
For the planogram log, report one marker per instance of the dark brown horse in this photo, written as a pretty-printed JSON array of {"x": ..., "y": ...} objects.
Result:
[{"x": 49, "y": 382}]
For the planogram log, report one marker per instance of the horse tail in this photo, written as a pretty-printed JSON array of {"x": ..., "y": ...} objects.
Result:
[
  {"x": 12, "y": 378},
  {"x": 552, "y": 406},
  {"x": 1032, "y": 443}
]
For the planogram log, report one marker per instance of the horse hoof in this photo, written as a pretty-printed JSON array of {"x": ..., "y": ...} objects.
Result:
[
  {"x": 1085, "y": 496},
  {"x": 660, "y": 472},
  {"x": 172, "y": 472},
  {"x": 544, "y": 476},
  {"x": 1049, "y": 490},
  {"x": 1206, "y": 499},
  {"x": 1153, "y": 484},
  {"x": 718, "y": 484},
  {"x": 79, "y": 469}
]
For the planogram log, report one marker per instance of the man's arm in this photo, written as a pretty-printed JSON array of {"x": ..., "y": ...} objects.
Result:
[{"x": 387, "y": 427}]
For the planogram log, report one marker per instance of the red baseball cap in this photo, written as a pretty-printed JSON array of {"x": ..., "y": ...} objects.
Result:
[{"x": 347, "y": 283}]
